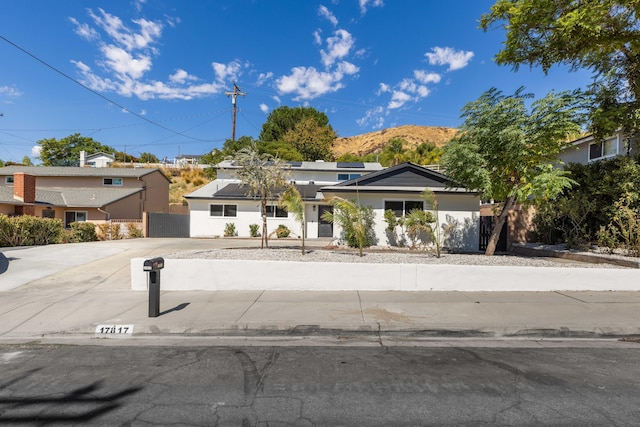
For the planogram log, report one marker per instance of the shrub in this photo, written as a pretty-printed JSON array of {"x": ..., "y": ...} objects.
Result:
[
  {"x": 83, "y": 232},
  {"x": 29, "y": 230},
  {"x": 229, "y": 229},
  {"x": 134, "y": 231},
  {"x": 254, "y": 230},
  {"x": 282, "y": 231},
  {"x": 587, "y": 212}
]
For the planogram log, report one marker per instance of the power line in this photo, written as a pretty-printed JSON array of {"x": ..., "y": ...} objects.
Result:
[{"x": 139, "y": 116}]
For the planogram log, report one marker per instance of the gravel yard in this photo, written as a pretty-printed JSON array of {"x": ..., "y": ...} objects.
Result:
[{"x": 378, "y": 257}]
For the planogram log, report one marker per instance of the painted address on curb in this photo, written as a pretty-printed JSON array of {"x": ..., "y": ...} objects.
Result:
[{"x": 114, "y": 330}]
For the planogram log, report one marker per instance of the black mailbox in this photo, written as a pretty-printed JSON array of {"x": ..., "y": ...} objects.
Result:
[
  {"x": 154, "y": 264},
  {"x": 152, "y": 267}
]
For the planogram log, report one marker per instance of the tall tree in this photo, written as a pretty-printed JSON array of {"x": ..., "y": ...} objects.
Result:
[
  {"x": 66, "y": 151},
  {"x": 507, "y": 152},
  {"x": 148, "y": 158},
  {"x": 600, "y": 35},
  {"x": 311, "y": 140},
  {"x": 264, "y": 175},
  {"x": 283, "y": 119}
]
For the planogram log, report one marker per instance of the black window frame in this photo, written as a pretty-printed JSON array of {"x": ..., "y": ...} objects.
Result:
[
  {"x": 275, "y": 211},
  {"x": 403, "y": 207},
  {"x": 225, "y": 210}
]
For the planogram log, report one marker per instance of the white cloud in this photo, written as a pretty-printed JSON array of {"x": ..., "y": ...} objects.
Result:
[
  {"x": 181, "y": 76},
  {"x": 338, "y": 47},
  {"x": 264, "y": 108},
  {"x": 308, "y": 83},
  {"x": 398, "y": 99},
  {"x": 326, "y": 13},
  {"x": 425, "y": 78},
  {"x": 227, "y": 72},
  {"x": 277, "y": 99},
  {"x": 449, "y": 56},
  {"x": 10, "y": 92},
  {"x": 374, "y": 117},
  {"x": 382, "y": 88},
  {"x": 35, "y": 150},
  {"x": 263, "y": 77},
  {"x": 84, "y": 30},
  {"x": 149, "y": 31},
  {"x": 127, "y": 57},
  {"x": 365, "y": 4},
  {"x": 123, "y": 63},
  {"x": 317, "y": 37}
]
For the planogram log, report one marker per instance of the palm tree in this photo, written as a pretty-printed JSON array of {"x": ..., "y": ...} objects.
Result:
[
  {"x": 356, "y": 221},
  {"x": 291, "y": 200}
]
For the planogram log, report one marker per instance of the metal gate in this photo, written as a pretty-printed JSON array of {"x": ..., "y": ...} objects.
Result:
[
  {"x": 486, "y": 227},
  {"x": 167, "y": 225}
]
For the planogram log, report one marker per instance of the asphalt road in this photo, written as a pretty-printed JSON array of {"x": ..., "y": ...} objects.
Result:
[{"x": 313, "y": 386}]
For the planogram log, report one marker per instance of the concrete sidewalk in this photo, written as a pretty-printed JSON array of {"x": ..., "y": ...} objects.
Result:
[{"x": 73, "y": 295}]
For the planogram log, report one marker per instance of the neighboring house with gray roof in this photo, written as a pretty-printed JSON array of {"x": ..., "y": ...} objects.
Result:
[
  {"x": 398, "y": 188},
  {"x": 83, "y": 194},
  {"x": 587, "y": 150}
]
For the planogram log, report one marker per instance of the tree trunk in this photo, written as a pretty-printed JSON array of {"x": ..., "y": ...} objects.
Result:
[
  {"x": 264, "y": 241},
  {"x": 497, "y": 228}
]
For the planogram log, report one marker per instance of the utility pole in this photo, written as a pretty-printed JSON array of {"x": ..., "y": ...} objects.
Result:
[{"x": 236, "y": 92}]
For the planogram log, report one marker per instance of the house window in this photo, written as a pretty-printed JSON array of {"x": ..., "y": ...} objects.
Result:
[
  {"x": 274, "y": 211},
  {"x": 400, "y": 207},
  {"x": 74, "y": 216},
  {"x": 223, "y": 210},
  {"x": 48, "y": 213},
  {"x": 608, "y": 148},
  {"x": 348, "y": 176},
  {"x": 116, "y": 182},
  {"x": 8, "y": 179}
]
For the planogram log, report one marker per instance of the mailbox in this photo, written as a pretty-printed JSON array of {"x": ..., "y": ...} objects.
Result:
[
  {"x": 152, "y": 267},
  {"x": 153, "y": 264}
]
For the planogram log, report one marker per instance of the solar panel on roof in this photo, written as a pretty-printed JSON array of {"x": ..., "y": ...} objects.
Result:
[{"x": 351, "y": 165}]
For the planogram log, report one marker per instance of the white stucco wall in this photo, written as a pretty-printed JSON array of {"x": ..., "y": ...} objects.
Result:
[
  {"x": 218, "y": 275},
  {"x": 459, "y": 209},
  {"x": 248, "y": 212}
]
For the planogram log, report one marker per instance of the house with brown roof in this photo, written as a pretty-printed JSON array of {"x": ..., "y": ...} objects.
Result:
[{"x": 75, "y": 194}]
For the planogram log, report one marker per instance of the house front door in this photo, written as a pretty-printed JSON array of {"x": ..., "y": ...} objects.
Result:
[{"x": 325, "y": 228}]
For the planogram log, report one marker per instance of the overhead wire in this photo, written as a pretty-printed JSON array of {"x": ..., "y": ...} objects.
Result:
[{"x": 139, "y": 116}]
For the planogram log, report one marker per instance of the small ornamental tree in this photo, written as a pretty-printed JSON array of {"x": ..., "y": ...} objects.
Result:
[{"x": 263, "y": 175}]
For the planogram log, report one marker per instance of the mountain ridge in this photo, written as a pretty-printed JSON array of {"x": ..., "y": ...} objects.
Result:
[{"x": 374, "y": 142}]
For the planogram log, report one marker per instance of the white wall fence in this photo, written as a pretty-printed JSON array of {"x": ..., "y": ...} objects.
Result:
[{"x": 223, "y": 275}]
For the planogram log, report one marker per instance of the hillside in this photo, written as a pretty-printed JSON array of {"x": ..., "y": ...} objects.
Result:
[{"x": 374, "y": 142}]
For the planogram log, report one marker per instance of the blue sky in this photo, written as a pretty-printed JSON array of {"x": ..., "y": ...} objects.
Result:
[{"x": 155, "y": 73}]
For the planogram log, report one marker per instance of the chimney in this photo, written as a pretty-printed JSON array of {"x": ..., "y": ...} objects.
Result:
[
  {"x": 24, "y": 190},
  {"x": 83, "y": 158}
]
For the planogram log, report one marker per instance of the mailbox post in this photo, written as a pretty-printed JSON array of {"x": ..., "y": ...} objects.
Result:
[{"x": 152, "y": 267}]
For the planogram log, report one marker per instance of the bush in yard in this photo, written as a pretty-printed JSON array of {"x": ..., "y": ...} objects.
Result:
[
  {"x": 602, "y": 202},
  {"x": 29, "y": 230},
  {"x": 282, "y": 231},
  {"x": 229, "y": 229},
  {"x": 134, "y": 231},
  {"x": 254, "y": 230},
  {"x": 83, "y": 232}
]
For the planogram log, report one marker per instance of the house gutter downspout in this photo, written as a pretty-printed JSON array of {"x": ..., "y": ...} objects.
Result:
[{"x": 106, "y": 213}]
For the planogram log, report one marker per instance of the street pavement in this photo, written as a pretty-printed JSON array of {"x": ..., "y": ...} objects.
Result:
[{"x": 81, "y": 292}]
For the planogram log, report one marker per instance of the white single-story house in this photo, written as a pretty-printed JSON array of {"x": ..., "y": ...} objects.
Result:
[{"x": 399, "y": 188}]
